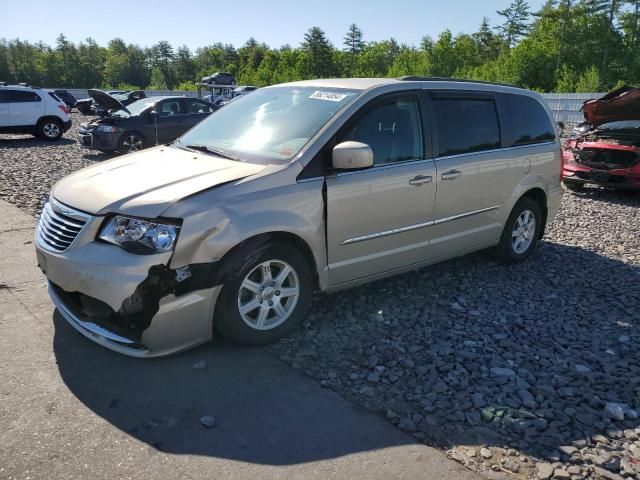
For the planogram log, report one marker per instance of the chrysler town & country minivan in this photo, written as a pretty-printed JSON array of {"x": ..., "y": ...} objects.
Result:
[{"x": 304, "y": 186}]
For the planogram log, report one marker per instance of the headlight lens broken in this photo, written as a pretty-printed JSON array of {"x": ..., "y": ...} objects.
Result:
[{"x": 140, "y": 236}]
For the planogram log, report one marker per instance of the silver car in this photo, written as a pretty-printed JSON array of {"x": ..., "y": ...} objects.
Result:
[{"x": 300, "y": 187}]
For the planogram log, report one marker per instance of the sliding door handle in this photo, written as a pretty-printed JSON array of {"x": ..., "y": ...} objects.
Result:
[
  {"x": 420, "y": 179},
  {"x": 451, "y": 175}
]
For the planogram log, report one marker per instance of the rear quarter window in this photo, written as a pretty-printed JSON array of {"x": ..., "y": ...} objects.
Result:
[
  {"x": 466, "y": 125},
  {"x": 24, "y": 96},
  {"x": 526, "y": 121}
]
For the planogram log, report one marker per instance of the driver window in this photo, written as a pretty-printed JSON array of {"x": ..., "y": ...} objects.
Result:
[{"x": 392, "y": 130}]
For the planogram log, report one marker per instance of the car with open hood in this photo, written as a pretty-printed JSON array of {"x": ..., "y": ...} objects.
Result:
[
  {"x": 147, "y": 122},
  {"x": 605, "y": 149},
  {"x": 308, "y": 186},
  {"x": 92, "y": 105}
]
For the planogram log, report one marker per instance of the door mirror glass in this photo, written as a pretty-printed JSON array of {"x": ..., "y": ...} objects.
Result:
[{"x": 352, "y": 155}]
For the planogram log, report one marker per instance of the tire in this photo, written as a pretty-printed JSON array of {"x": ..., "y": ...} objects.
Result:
[
  {"x": 131, "y": 142},
  {"x": 516, "y": 249},
  {"x": 574, "y": 186},
  {"x": 255, "y": 327},
  {"x": 49, "y": 129}
]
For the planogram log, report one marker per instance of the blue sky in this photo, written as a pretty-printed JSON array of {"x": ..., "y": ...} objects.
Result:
[{"x": 275, "y": 22}]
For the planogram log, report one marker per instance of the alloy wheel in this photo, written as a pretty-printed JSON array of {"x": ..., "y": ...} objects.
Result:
[
  {"x": 268, "y": 295},
  {"x": 132, "y": 143},
  {"x": 51, "y": 130},
  {"x": 523, "y": 233}
]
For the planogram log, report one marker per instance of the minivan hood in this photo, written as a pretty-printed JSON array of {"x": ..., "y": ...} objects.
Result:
[
  {"x": 106, "y": 101},
  {"x": 146, "y": 183}
]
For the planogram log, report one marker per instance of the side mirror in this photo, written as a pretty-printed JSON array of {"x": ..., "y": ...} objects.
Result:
[
  {"x": 154, "y": 114},
  {"x": 352, "y": 155}
]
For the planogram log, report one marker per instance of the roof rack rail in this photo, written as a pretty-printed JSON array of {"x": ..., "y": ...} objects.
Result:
[{"x": 415, "y": 78}]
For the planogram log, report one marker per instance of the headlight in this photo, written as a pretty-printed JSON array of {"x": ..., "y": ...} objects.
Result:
[
  {"x": 106, "y": 129},
  {"x": 140, "y": 236}
]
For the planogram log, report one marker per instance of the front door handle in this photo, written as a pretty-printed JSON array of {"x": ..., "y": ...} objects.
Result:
[
  {"x": 451, "y": 175},
  {"x": 420, "y": 179}
]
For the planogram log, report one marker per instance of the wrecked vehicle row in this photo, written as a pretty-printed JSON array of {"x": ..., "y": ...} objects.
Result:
[
  {"x": 141, "y": 124},
  {"x": 605, "y": 150},
  {"x": 314, "y": 185}
]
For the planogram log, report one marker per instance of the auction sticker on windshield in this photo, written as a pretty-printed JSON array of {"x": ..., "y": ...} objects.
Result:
[{"x": 331, "y": 96}]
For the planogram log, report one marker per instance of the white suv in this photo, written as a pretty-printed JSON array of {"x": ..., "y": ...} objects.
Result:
[{"x": 32, "y": 110}]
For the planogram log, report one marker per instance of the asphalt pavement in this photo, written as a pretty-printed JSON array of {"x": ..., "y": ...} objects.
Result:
[{"x": 72, "y": 409}]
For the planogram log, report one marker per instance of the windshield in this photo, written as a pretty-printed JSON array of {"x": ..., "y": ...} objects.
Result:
[
  {"x": 269, "y": 126},
  {"x": 135, "y": 108}
]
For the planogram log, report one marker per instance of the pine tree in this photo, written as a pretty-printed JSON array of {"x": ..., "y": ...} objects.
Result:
[
  {"x": 319, "y": 53},
  {"x": 516, "y": 18},
  {"x": 487, "y": 44},
  {"x": 354, "y": 45},
  {"x": 353, "y": 40}
]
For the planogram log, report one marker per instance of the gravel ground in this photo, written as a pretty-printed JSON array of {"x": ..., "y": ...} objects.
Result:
[
  {"x": 29, "y": 167},
  {"x": 526, "y": 371}
]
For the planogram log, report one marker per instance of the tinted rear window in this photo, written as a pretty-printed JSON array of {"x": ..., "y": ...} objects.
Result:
[
  {"x": 466, "y": 125},
  {"x": 527, "y": 121},
  {"x": 24, "y": 96}
]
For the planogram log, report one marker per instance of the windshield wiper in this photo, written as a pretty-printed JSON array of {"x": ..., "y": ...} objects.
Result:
[{"x": 206, "y": 149}]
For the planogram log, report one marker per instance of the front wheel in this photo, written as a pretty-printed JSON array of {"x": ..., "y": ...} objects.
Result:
[
  {"x": 521, "y": 232},
  {"x": 266, "y": 296},
  {"x": 130, "y": 142}
]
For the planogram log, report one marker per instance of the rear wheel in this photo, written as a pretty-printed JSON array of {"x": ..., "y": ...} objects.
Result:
[
  {"x": 130, "y": 142},
  {"x": 49, "y": 129},
  {"x": 266, "y": 297},
  {"x": 521, "y": 232}
]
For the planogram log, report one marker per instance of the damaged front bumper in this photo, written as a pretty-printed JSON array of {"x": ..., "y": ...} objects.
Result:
[{"x": 132, "y": 304}]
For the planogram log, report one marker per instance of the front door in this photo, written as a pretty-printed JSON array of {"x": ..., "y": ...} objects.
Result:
[
  {"x": 379, "y": 218},
  {"x": 172, "y": 120}
]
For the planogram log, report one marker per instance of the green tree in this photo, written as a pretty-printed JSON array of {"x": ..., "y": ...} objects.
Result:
[
  {"x": 158, "y": 81},
  {"x": 353, "y": 46},
  {"x": 162, "y": 56},
  {"x": 589, "y": 81},
  {"x": 442, "y": 56},
  {"x": 516, "y": 16},
  {"x": 318, "y": 54},
  {"x": 184, "y": 65},
  {"x": 566, "y": 80},
  {"x": 488, "y": 44}
]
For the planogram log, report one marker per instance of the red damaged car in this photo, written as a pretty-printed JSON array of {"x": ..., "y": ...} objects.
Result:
[{"x": 605, "y": 150}]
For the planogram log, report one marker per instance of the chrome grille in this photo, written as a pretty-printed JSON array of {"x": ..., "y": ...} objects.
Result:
[{"x": 59, "y": 226}]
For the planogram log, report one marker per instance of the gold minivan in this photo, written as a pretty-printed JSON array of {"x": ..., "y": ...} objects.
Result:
[{"x": 304, "y": 186}]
